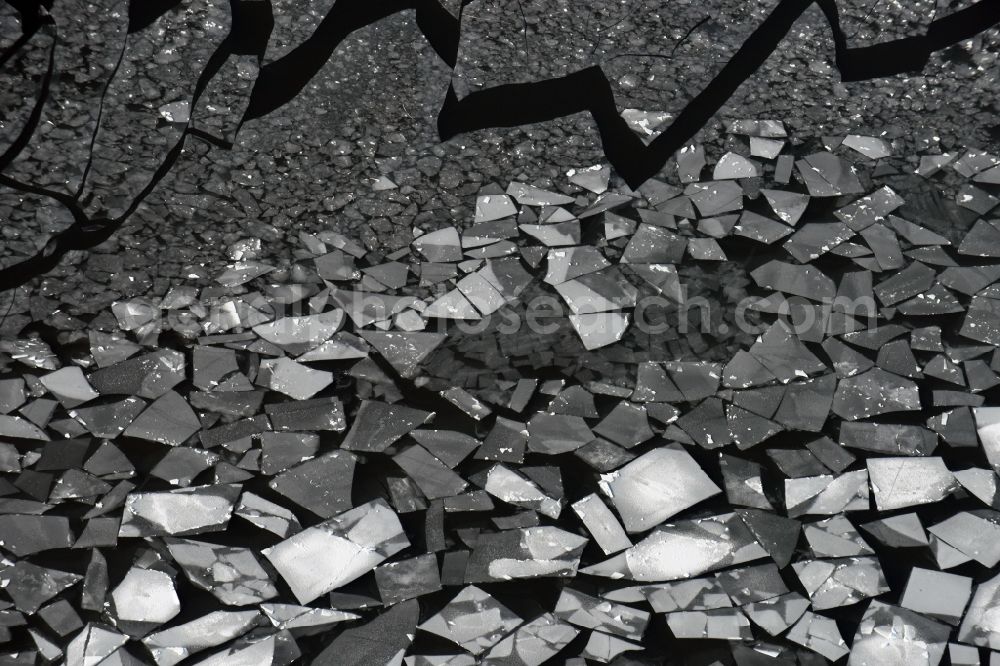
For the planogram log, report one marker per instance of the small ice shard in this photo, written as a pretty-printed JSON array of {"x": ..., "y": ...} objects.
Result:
[
  {"x": 654, "y": 245},
  {"x": 176, "y": 112},
  {"x": 530, "y": 552},
  {"x": 937, "y": 594},
  {"x": 720, "y": 624},
  {"x": 433, "y": 477},
  {"x": 905, "y": 481},
  {"x": 602, "y": 524},
  {"x": 293, "y": 379},
  {"x": 69, "y": 386},
  {"x": 144, "y": 597},
  {"x": 295, "y": 334},
  {"x": 599, "y": 329},
  {"x": 180, "y": 512},
  {"x": 491, "y": 207},
  {"x": 732, "y": 165},
  {"x": 168, "y": 420},
  {"x": 242, "y": 272},
  {"x": 870, "y": 146},
  {"x": 819, "y": 634},
  {"x": 888, "y": 438},
  {"x": 441, "y": 245},
  {"x": 594, "y": 178},
  {"x": 267, "y": 515},
  {"x": 404, "y": 351},
  {"x": 315, "y": 414},
  {"x": 529, "y": 195},
  {"x": 683, "y": 550},
  {"x": 468, "y": 403},
  {"x": 231, "y": 574},
  {"x": 474, "y": 620},
  {"x": 826, "y": 494},
  {"x": 177, "y": 643},
  {"x": 805, "y": 281},
  {"x": 553, "y": 434},
  {"x": 533, "y": 643},
  {"x": 507, "y": 485},
  {"x": 897, "y": 637},
  {"x": 656, "y": 486},
  {"x": 835, "y": 537},
  {"x": 840, "y": 582},
  {"x": 776, "y": 614},
  {"x": 378, "y": 424},
  {"x": 604, "y": 648},
  {"x": 589, "y": 612},
  {"x": 337, "y": 551},
  {"x": 826, "y": 175},
  {"x": 109, "y": 420},
  {"x": 407, "y": 579},
  {"x": 304, "y": 620},
  {"x": 96, "y": 644},
  {"x": 902, "y": 531}
]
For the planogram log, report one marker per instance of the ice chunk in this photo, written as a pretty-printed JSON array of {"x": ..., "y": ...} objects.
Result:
[
  {"x": 333, "y": 553},
  {"x": 473, "y": 620},
  {"x": 230, "y": 573},
  {"x": 179, "y": 512},
  {"x": 655, "y": 486}
]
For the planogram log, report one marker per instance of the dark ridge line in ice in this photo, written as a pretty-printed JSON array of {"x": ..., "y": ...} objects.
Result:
[
  {"x": 280, "y": 81},
  {"x": 85, "y": 233},
  {"x": 24, "y": 136},
  {"x": 587, "y": 90}
]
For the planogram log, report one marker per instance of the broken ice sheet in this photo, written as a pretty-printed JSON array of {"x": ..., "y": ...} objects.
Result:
[
  {"x": 901, "y": 482},
  {"x": 231, "y": 574},
  {"x": 683, "y": 550},
  {"x": 30, "y": 586},
  {"x": 827, "y": 494},
  {"x": 267, "y": 515},
  {"x": 179, "y": 512},
  {"x": 656, "y": 486},
  {"x": 407, "y": 579},
  {"x": 378, "y": 424},
  {"x": 168, "y": 420},
  {"x": 293, "y": 379},
  {"x": 583, "y": 610},
  {"x": 177, "y": 643},
  {"x": 509, "y": 486},
  {"x": 69, "y": 386},
  {"x": 897, "y": 637},
  {"x": 474, "y": 620},
  {"x": 333, "y": 553},
  {"x": 530, "y": 552},
  {"x": 304, "y": 620},
  {"x": 143, "y": 599},
  {"x": 96, "y": 644},
  {"x": 533, "y": 643},
  {"x": 719, "y": 623},
  {"x": 432, "y": 476},
  {"x": 840, "y": 582},
  {"x": 826, "y": 175},
  {"x": 937, "y": 594},
  {"x": 148, "y": 376},
  {"x": 599, "y": 329},
  {"x": 835, "y": 537},
  {"x": 775, "y": 615},
  {"x": 602, "y": 524},
  {"x": 820, "y": 634},
  {"x": 322, "y": 485},
  {"x": 976, "y": 534},
  {"x": 300, "y": 334}
]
